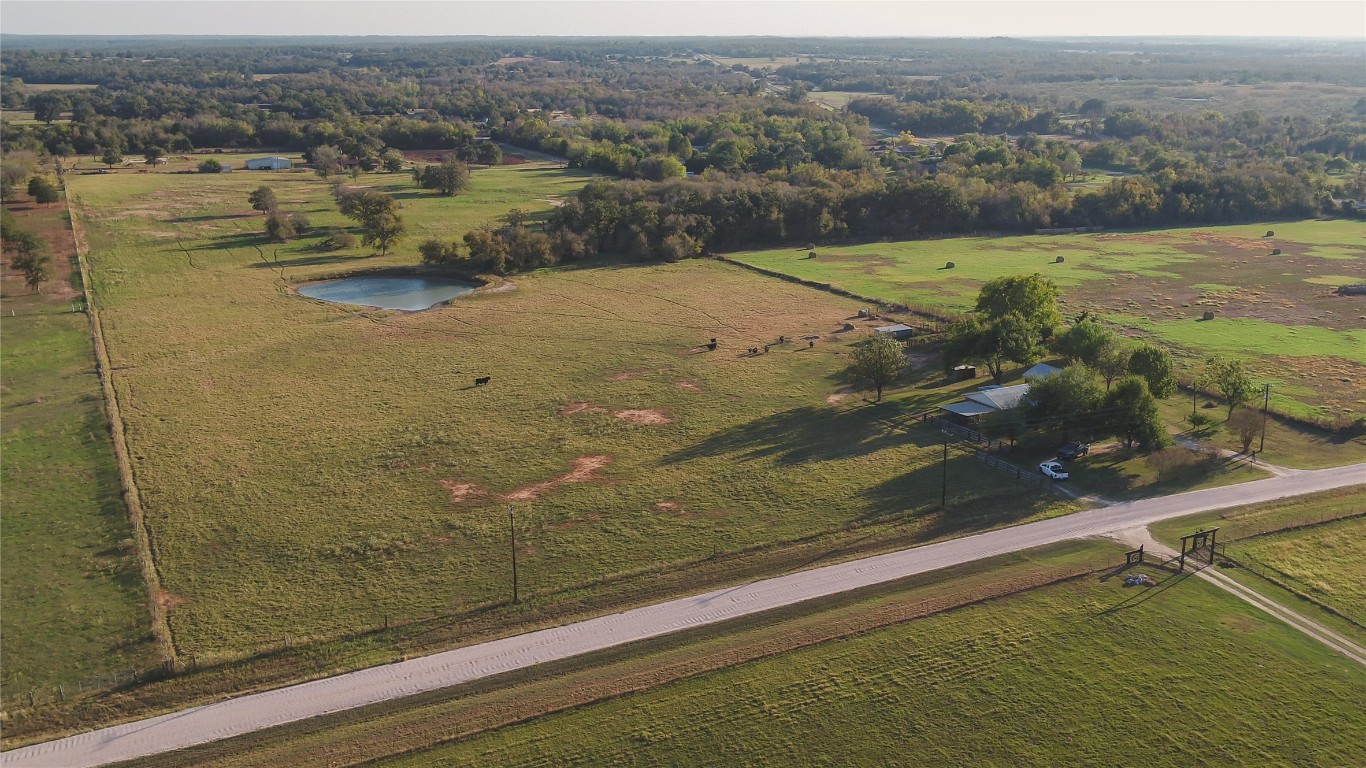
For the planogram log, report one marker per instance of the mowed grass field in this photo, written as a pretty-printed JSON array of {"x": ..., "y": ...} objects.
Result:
[
  {"x": 74, "y": 601},
  {"x": 1081, "y": 673},
  {"x": 1327, "y": 562},
  {"x": 308, "y": 469},
  {"x": 1279, "y": 313}
]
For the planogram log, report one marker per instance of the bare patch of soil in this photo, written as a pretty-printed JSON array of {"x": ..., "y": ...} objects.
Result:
[
  {"x": 668, "y": 506},
  {"x": 691, "y": 386},
  {"x": 583, "y": 470},
  {"x": 169, "y": 601},
  {"x": 840, "y": 396},
  {"x": 580, "y": 407},
  {"x": 648, "y": 416},
  {"x": 460, "y": 491},
  {"x": 627, "y": 375}
]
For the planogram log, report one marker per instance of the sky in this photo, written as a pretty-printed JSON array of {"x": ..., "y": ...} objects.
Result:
[{"x": 854, "y": 18}]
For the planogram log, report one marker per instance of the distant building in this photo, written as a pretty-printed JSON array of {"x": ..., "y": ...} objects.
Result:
[
  {"x": 269, "y": 164},
  {"x": 897, "y": 331}
]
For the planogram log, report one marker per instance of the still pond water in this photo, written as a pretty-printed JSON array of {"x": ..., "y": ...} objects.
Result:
[{"x": 406, "y": 293}]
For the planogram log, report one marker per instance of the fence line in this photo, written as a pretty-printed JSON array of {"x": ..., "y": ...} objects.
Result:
[{"x": 1023, "y": 475}]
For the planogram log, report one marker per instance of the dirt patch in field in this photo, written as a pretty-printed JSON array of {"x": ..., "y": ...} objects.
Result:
[
  {"x": 690, "y": 386},
  {"x": 169, "y": 601},
  {"x": 647, "y": 416},
  {"x": 840, "y": 396},
  {"x": 513, "y": 159},
  {"x": 668, "y": 506},
  {"x": 583, "y": 470},
  {"x": 460, "y": 491},
  {"x": 627, "y": 375}
]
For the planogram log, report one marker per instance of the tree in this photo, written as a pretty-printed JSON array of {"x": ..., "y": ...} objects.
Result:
[
  {"x": 30, "y": 257},
  {"x": 877, "y": 362},
  {"x": 1154, "y": 364},
  {"x": 437, "y": 252},
  {"x": 382, "y": 229},
  {"x": 1069, "y": 398},
  {"x": 44, "y": 190},
  {"x": 263, "y": 199},
  {"x": 488, "y": 153},
  {"x": 392, "y": 161},
  {"x": 279, "y": 228},
  {"x": 1246, "y": 424},
  {"x": 1112, "y": 361},
  {"x": 1084, "y": 340},
  {"x": 112, "y": 156},
  {"x": 327, "y": 160},
  {"x": 448, "y": 178},
  {"x": 992, "y": 342},
  {"x": 1230, "y": 378},
  {"x": 1034, "y": 298},
  {"x": 48, "y": 106},
  {"x": 153, "y": 154},
  {"x": 1132, "y": 413},
  {"x": 211, "y": 166}
]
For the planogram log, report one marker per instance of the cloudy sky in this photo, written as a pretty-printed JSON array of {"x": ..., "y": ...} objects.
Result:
[{"x": 882, "y": 18}]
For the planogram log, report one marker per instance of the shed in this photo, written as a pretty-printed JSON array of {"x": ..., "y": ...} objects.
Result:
[
  {"x": 269, "y": 164},
  {"x": 1041, "y": 371},
  {"x": 897, "y": 331}
]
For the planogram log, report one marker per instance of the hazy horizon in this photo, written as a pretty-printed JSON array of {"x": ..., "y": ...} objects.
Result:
[{"x": 1322, "y": 19}]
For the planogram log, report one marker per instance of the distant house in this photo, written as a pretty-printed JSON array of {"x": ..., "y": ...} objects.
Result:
[
  {"x": 269, "y": 164},
  {"x": 897, "y": 331},
  {"x": 989, "y": 399},
  {"x": 1041, "y": 371}
]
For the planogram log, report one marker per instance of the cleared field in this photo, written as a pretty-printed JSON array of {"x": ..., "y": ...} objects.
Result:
[
  {"x": 308, "y": 470},
  {"x": 1082, "y": 673},
  {"x": 1327, "y": 562},
  {"x": 840, "y": 99},
  {"x": 1274, "y": 311},
  {"x": 74, "y": 602}
]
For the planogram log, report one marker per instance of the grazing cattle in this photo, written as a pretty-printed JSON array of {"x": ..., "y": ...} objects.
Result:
[
  {"x": 482, "y": 380},
  {"x": 712, "y": 346}
]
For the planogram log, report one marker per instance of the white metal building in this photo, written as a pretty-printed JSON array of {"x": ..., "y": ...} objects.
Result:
[{"x": 269, "y": 164}]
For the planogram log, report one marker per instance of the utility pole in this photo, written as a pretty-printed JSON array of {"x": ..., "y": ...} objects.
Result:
[
  {"x": 1266, "y": 402},
  {"x": 944, "y": 481},
  {"x": 512, "y": 529}
]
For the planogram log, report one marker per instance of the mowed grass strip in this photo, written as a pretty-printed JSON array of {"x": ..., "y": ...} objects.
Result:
[
  {"x": 74, "y": 602},
  {"x": 1081, "y": 673},
  {"x": 309, "y": 469},
  {"x": 415, "y": 723}
]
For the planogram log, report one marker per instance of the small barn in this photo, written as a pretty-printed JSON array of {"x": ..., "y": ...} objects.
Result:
[
  {"x": 897, "y": 331},
  {"x": 269, "y": 164},
  {"x": 988, "y": 399},
  {"x": 1041, "y": 371}
]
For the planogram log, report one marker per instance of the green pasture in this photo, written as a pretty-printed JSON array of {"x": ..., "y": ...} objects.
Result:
[
  {"x": 74, "y": 600},
  {"x": 1327, "y": 562},
  {"x": 1277, "y": 312},
  {"x": 309, "y": 469},
  {"x": 1081, "y": 673}
]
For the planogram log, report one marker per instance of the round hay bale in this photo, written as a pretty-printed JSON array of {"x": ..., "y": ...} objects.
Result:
[
  {"x": 1207, "y": 316},
  {"x": 1275, "y": 251},
  {"x": 1270, "y": 233},
  {"x": 949, "y": 265},
  {"x": 1059, "y": 260}
]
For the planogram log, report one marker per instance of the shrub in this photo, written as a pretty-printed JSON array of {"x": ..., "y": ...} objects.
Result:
[
  {"x": 339, "y": 239},
  {"x": 1201, "y": 420},
  {"x": 211, "y": 166}
]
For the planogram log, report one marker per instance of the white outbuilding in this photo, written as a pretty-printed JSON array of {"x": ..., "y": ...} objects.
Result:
[{"x": 269, "y": 164}]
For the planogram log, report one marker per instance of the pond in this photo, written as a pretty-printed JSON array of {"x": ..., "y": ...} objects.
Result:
[{"x": 406, "y": 293}]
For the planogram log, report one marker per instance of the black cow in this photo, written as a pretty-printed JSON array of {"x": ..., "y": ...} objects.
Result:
[{"x": 482, "y": 380}]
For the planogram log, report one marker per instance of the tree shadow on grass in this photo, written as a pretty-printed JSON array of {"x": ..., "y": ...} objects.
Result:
[
  {"x": 979, "y": 498},
  {"x": 313, "y": 261},
  {"x": 809, "y": 433}
]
